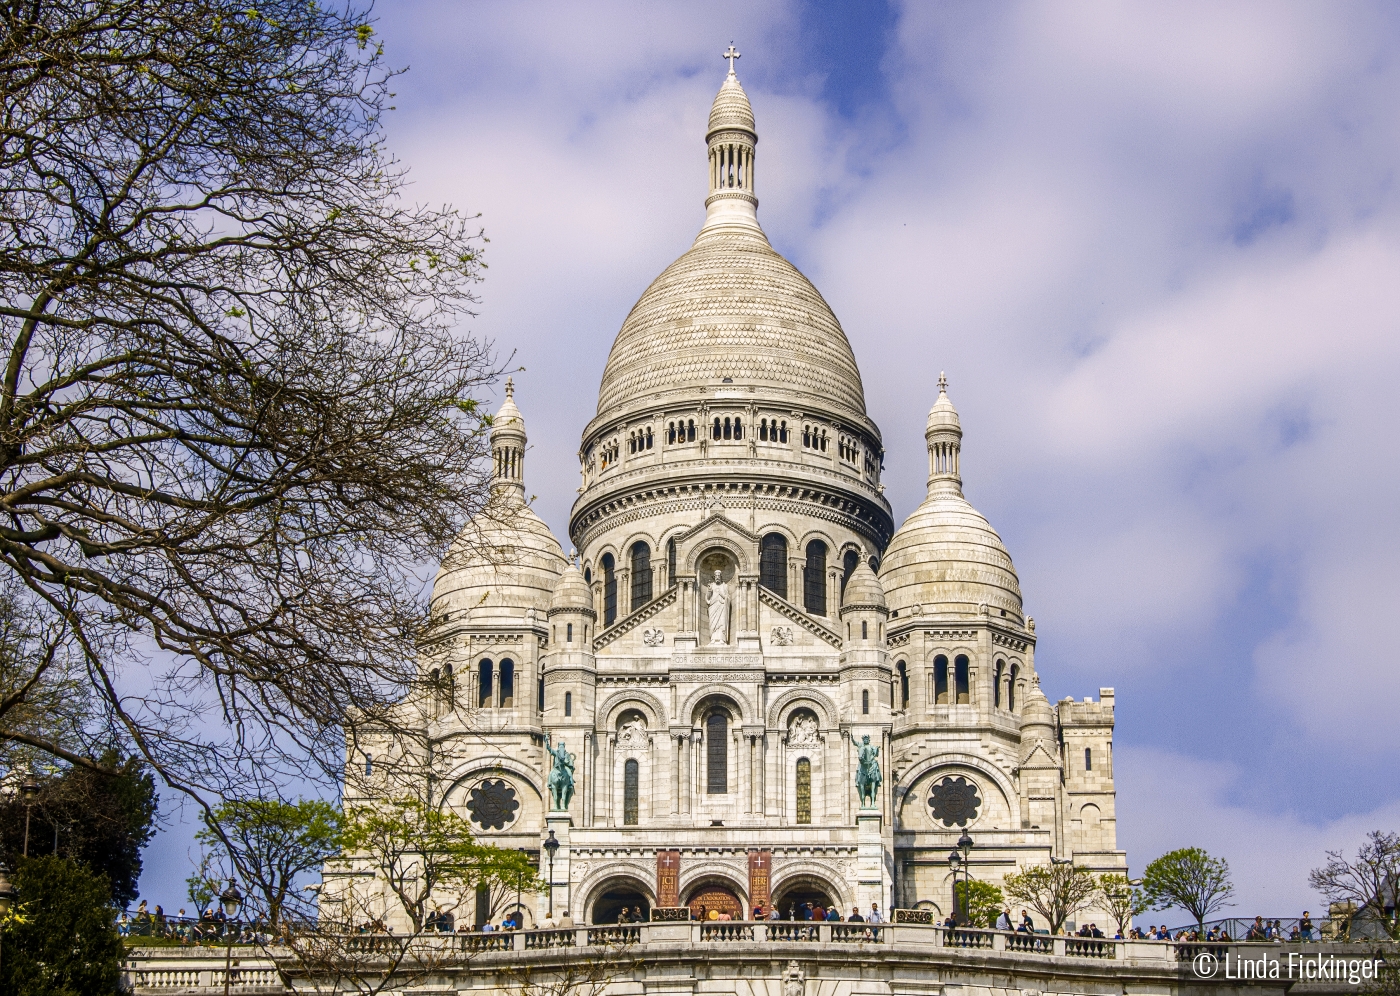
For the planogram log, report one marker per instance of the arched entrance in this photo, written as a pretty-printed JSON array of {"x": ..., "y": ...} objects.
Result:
[
  {"x": 709, "y": 899},
  {"x": 616, "y": 896},
  {"x": 793, "y": 893}
]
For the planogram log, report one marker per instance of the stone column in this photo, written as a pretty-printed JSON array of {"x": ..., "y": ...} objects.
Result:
[
  {"x": 609, "y": 781},
  {"x": 589, "y": 764},
  {"x": 558, "y": 876},
  {"x": 833, "y": 595},
  {"x": 676, "y": 781}
]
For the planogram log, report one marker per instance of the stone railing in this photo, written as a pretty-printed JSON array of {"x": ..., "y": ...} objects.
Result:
[{"x": 166, "y": 972}]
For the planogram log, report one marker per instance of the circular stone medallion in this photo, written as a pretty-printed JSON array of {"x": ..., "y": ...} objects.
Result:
[
  {"x": 954, "y": 801},
  {"x": 493, "y": 804}
]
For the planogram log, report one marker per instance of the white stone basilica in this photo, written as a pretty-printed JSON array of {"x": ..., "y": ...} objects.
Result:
[{"x": 740, "y": 616}]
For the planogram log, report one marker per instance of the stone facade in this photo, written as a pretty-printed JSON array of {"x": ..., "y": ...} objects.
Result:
[{"x": 739, "y": 616}]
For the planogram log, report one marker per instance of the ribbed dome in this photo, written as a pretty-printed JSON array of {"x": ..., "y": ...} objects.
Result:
[
  {"x": 863, "y": 588},
  {"x": 732, "y": 307},
  {"x": 495, "y": 569},
  {"x": 947, "y": 557},
  {"x": 731, "y": 108},
  {"x": 572, "y": 593}
]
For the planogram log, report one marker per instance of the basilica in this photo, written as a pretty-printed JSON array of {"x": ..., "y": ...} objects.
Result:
[{"x": 743, "y": 685}]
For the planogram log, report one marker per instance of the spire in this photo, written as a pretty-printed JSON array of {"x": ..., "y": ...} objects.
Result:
[
  {"x": 731, "y": 138},
  {"x": 943, "y": 433},
  {"x": 508, "y": 444}
]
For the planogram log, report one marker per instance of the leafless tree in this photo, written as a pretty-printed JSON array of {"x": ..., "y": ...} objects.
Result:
[
  {"x": 1370, "y": 882},
  {"x": 237, "y": 415},
  {"x": 1056, "y": 891}
]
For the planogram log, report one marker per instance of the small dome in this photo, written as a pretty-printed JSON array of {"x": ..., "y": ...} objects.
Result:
[
  {"x": 504, "y": 562},
  {"x": 1037, "y": 711},
  {"x": 572, "y": 593},
  {"x": 863, "y": 590},
  {"x": 731, "y": 109},
  {"x": 947, "y": 557},
  {"x": 943, "y": 416},
  {"x": 508, "y": 416}
]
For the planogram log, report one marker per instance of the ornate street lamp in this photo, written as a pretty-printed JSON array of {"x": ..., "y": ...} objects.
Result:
[
  {"x": 28, "y": 792},
  {"x": 551, "y": 845},
  {"x": 961, "y": 856},
  {"x": 231, "y": 899},
  {"x": 955, "y": 863}
]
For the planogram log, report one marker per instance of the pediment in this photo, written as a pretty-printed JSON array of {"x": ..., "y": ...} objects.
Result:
[{"x": 720, "y": 530}]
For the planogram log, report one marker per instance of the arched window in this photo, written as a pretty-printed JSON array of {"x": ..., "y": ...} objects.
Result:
[
  {"x": 848, "y": 566},
  {"x": 507, "y": 683},
  {"x": 996, "y": 683},
  {"x": 609, "y": 590},
  {"x": 649, "y": 437},
  {"x": 814, "y": 579},
  {"x": 717, "y": 754},
  {"x": 641, "y": 575},
  {"x": 1011, "y": 688},
  {"x": 738, "y": 428},
  {"x": 864, "y": 630},
  {"x": 940, "y": 680},
  {"x": 568, "y": 703},
  {"x": 782, "y": 432},
  {"x": 961, "y": 674},
  {"x": 865, "y": 702},
  {"x": 630, "y": 772},
  {"x": 1088, "y": 759},
  {"x": 804, "y": 790},
  {"x": 903, "y": 670},
  {"x": 670, "y": 433},
  {"x": 369, "y": 765},
  {"x": 728, "y": 429},
  {"x": 763, "y": 430},
  {"x": 690, "y": 431},
  {"x": 539, "y": 695},
  {"x": 588, "y": 575},
  {"x": 483, "y": 696},
  {"x": 772, "y": 563},
  {"x": 715, "y": 430},
  {"x": 568, "y": 632}
]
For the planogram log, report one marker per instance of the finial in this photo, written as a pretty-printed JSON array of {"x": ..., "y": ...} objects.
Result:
[
  {"x": 573, "y": 556},
  {"x": 731, "y": 55},
  {"x": 942, "y": 382},
  {"x": 510, "y": 387}
]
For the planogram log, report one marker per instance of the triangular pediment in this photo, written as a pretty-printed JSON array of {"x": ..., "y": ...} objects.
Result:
[{"x": 716, "y": 523}]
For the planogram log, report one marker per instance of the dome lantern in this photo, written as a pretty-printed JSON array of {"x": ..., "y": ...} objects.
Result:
[
  {"x": 943, "y": 433},
  {"x": 731, "y": 138},
  {"x": 508, "y": 444}
]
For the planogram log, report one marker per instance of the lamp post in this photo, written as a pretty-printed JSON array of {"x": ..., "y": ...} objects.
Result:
[
  {"x": 551, "y": 845},
  {"x": 960, "y": 857},
  {"x": 231, "y": 898},
  {"x": 7, "y": 896},
  {"x": 28, "y": 792}
]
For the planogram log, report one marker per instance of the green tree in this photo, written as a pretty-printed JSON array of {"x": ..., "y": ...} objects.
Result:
[
  {"x": 65, "y": 940},
  {"x": 102, "y": 818},
  {"x": 1189, "y": 879},
  {"x": 986, "y": 903},
  {"x": 1056, "y": 891},
  {"x": 236, "y": 402},
  {"x": 1122, "y": 900},
  {"x": 270, "y": 843},
  {"x": 418, "y": 849},
  {"x": 1370, "y": 882}
]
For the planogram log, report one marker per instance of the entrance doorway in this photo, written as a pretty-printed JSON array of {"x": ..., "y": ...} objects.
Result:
[
  {"x": 791, "y": 900},
  {"x": 708, "y": 901},
  {"x": 609, "y": 906}
]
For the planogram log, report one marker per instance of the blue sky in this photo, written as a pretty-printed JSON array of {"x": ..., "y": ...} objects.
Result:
[{"x": 1156, "y": 247}]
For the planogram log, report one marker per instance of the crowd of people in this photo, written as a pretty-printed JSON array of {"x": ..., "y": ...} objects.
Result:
[
  {"x": 1260, "y": 930},
  {"x": 209, "y": 927}
]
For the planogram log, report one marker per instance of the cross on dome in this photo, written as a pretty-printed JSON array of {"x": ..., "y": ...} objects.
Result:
[
  {"x": 731, "y": 55},
  {"x": 942, "y": 382},
  {"x": 510, "y": 387}
]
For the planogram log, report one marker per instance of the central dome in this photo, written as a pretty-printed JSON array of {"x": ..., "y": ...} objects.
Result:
[
  {"x": 732, "y": 307},
  {"x": 732, "y": 314}
]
